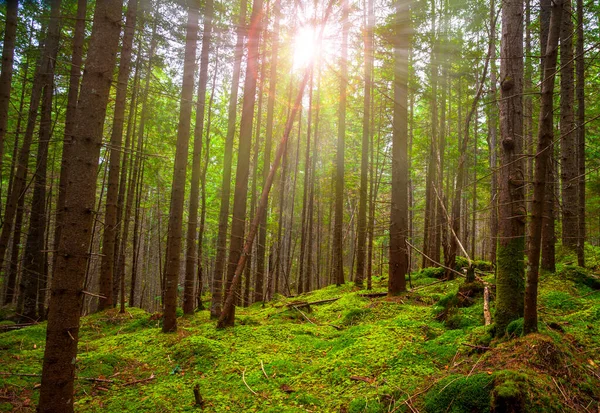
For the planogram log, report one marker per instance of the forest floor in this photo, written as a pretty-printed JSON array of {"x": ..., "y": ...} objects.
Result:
[{"x": 420, "y": 352}]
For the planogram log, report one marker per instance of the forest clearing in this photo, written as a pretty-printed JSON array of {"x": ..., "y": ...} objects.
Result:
[{"x": 299, "y": 205}]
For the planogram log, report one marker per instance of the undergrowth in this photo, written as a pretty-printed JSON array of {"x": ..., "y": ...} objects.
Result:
[{"x": 354, "y": 354}]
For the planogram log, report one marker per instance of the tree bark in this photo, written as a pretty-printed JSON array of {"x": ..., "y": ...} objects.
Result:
[
  {"x": 56, "y": 393},
  {"x": 262, "y": 233},
  {"x": 72, "y": 95},
  {"x": 179, "y": 173},
  {"x": 399, "y": 208},
  {"x": 580, "y": 96},
  {"x": 217, "y": 287},
  {"x": 8, "y": 51},
  {"x": 366, "y": 137},
  {"x": 511, "y": 205},
  {"x": 545, "y": 138},
  {"x": 114, "y": 166},
  {"x": 568, "y": 135},
  {"x": 190, "y": 255},
  {"x": 338, "y": 238}
]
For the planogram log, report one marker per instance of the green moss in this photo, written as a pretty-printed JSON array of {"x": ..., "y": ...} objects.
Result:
[
  {"x": 515, "y": 328},
  {"x": 458, "y": 394},
  {"x": 355, "y": 316},
  {"x": 510, "y": 283},
  {"x": 558, "y": 300},
  {"x": 362, "y": 405},
  {"x": 510, "y": 392}
]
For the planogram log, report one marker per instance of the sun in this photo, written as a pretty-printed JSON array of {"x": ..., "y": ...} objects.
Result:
[{"x": 306, "y": 46}]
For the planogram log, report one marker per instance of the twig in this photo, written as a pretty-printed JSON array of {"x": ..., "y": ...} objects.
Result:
[
  {"x": 474, "y": 365},
  {"x": 244, "y": 380},
  {"x": 262, "y": 366},
  {"x": 476, "y": 347},
  {"x": 21, "y": 374},
  {"x": 373, "y": 295},
  {"x": 93, "y": 295},
  {"x": 561, "y": 391},
  {"x": 130, "y": 383},
  {"x": 304, "y": 315}
]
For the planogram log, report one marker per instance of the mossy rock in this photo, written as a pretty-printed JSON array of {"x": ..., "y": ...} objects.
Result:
[
  {"x": 459, "y": 394},
  {"x": 510, "y": 392}
]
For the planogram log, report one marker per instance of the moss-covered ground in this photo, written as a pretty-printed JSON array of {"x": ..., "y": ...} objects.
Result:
[{"x": 355, "y": 354}]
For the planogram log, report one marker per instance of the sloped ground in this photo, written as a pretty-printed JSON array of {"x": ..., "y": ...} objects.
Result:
[{"x": 355, "y": 354}]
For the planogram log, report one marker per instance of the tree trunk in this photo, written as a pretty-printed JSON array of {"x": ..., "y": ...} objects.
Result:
[
  {"x": 190, "y": 255},
  {"x": 56, "y": 393},
  {"x": 399, "y": 209},
  {"x": 116, "y": 139},
  {"x": 217, "y": 287},
  {"x": 33, "y": 277},
  {"x": 338, "y": 239},
  {"x": 580, "y": 96},
  {"x": 40, "y": 79},
  {"x": 548, "y": 230},
  {"x": 238, "y": 222},
  {"x": 492, "y": 122},
  {"x": 262, "y": 234},
  {"x": 72, "y": 94},
  {"x": 545, "y": 138},
  {"x": 366, "y": 137},
  {"x": 511, "y": 205},
  {"x": 568, "y": 135},
  {"x": 8, "y": 51},
  {"x": 179, "y": 173},
  {"x": 13, "y": 268}
]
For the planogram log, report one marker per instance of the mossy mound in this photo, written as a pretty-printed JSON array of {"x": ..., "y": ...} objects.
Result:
[
  {"x": 581, "y": 276},
  {"x": 458, "y": 394}
]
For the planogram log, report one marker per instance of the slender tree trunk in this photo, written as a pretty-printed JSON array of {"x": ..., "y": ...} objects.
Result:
[
  {"x": 338, "y": 239},
  {"x": 200, "y": 272},
  {"x": 568, "y": 134},
  {"x": 56, "y": 393},
  {"x": 72, "y": 94},
  {"x": 580, "y": 96},
  {"x": 136, "y": 243},
  {"x": 399, "y": 208},
  {"x": 366, "y": 137},
  {"x": 116, "y": 139},
  {"x": 262, "y": 234},
  {"x": 40, "y": 79},
  {"x": 13, "y": 268},
  {"x": 179, "y": 174},
  {"x": 243, "y": 164},
  {"x": 545, "y": 138},
  {"x": 548, "y": 225},
  {"x": 125, "y": 198},
  {"x": 34, "y": 277},
  {"x": 511, "y": 205},
  {"x": 217, "y": 287},
  {"x": 308, "y": 282},
  {"x": 190, "y": 255},
  {"x": 8, "y": 51},
  {"x": 493, "y": 137}
]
